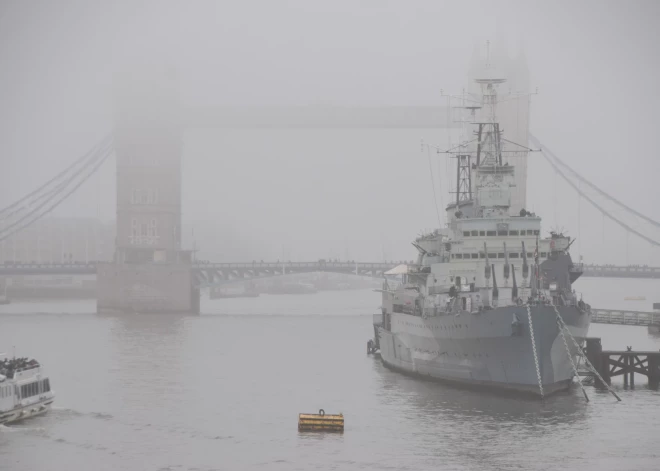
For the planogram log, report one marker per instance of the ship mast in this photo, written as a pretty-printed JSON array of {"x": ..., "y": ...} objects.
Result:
[
  {"x": 489, "y": 143},
  {"x": 463, "y": 157},
  {"x": 483, "y": 179}
]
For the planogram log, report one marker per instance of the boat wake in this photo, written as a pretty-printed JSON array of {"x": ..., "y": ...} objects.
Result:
[
  {"x": 63, "y": 412},
  {"x": 21, "y": 429}
]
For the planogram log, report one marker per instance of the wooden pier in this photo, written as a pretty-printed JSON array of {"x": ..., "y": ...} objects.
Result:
[{"x": 624, "y": 363}]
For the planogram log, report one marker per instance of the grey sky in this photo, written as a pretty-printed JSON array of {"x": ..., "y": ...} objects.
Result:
[{"x": 595, "y": 63}]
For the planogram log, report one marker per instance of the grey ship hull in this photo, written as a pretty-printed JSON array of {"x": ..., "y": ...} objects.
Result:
[{"x": 481, "y": 349}]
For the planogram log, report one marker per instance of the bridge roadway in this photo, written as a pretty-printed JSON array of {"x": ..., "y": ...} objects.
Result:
[{"x": 210, "y": 272}]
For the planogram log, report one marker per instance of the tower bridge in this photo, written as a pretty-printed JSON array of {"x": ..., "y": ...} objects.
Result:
[{"x": 150, "y": 268}]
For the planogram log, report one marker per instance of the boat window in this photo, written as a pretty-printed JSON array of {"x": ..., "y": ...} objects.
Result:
[
  {"x": 482, "y": 233},
  {"x": 45, "y": 385},
  {"x": 500, "y": 255},
  {"x": 475, "y": 255},
  {"x": 513, "y": 255},
  {"x": 530, "y": 254},
  {"x": 29, "y": 390},
  {"x": 536, "y": 232},
  {"x": 466, "y": 233},
  {"x": 458, "y": 255},
  {"x": 544, "y": 254},
  {"x": 490, "y": 233},
  {"x": 482, "y": 255},
  {"x": 502, "y": 233},
  {"x": 492, "y": 255},
  {"x": 513, "y": 233},
  {"x": 475, "y": 233}
]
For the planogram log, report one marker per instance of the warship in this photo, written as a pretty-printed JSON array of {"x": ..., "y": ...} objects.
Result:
[{"x": 489, "y": 301}]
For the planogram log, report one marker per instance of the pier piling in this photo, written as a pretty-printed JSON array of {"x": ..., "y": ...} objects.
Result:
[{"x": 626, "y": 363}]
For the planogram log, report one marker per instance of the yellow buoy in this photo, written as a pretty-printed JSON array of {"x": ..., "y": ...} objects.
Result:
[{"x": 320, "y": 422}]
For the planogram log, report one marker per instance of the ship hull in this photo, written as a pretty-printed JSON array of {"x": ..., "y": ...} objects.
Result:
[
  {"x": 484, "y": 349},
  {"x": 25, "y": 412}
]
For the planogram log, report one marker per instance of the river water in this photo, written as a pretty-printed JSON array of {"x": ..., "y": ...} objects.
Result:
[{"x": 222, "y": 390}]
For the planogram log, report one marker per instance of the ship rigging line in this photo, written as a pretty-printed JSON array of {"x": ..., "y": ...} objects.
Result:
[
  {"x": 596, "y": 205},
  {"x": 88, "y": 155},
  {"x": 32, "y": 217},
  {"x": 580, "y": 177}
]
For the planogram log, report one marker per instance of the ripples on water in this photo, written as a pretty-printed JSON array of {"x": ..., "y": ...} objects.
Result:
[{"x": 223, "y": 390}]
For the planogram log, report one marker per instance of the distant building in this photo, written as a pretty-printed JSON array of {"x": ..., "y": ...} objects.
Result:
[{"x": 60, "y": 240}]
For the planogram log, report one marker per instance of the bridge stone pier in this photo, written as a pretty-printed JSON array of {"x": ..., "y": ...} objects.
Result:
[{"x": 150, "y": 271}]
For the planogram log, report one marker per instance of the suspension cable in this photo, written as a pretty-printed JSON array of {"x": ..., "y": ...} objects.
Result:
[
  {"x": 596, "y": 205},
  {"x": 580, "y": 177},
  {"x": 32, "y": 216},
  {"x": 86, "y": 156}
]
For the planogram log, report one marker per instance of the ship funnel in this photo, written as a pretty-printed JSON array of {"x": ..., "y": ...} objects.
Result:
[
  {"x": 506, "y": 265},
  {"x": 514, "y": 290},
  {"x": 525, "y": 270},
  {"x": 496, "y": 293},
  {"x": 487, "y": 269}
]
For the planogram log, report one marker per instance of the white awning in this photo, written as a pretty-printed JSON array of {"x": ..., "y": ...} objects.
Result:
[{"x": 398, "y": 270}]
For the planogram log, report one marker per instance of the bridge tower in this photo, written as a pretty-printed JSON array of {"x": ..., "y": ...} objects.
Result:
[{"x": 150, "y": 271}]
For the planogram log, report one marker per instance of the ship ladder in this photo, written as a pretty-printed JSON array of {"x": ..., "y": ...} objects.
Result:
[{"x": 563, "y": 327}]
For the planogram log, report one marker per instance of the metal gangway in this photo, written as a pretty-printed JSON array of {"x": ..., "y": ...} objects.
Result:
[{"x": 623, "y": 317}]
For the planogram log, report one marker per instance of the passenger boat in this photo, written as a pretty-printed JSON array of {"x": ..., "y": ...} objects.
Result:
[{"x": 24, "y": 390}]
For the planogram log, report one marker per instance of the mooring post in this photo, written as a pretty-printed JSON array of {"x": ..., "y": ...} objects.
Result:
[
  {"x": 654, "y": 370},
  {"x": 631, "y": 366},
  {"x": 595, "y": 356}
]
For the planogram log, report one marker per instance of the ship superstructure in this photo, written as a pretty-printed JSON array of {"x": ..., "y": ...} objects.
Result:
[{"x": 484, "y": 301}]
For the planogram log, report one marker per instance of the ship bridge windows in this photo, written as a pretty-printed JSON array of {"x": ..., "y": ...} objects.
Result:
[
  {"x": 491, "y": 233},
  {"x": 500, "y": 255},
  {"x": 513, "y": 255},
  {"x": 29, "y": 390},
  {"x": 466, "y": 233},
  {"x": 513, "y": 233},
  {"x": 474, "y": 255},
  {"x": 474, "y": 233},
  {"x": 482, "y": 233},
  {"x": 502, "y": 233}
]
